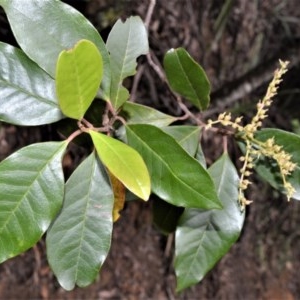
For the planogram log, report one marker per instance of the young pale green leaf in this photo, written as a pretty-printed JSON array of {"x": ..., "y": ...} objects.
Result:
[
  {"x": 79, "y": 239},
  {"x": 125, "y": 43},
  {"x": 79, "y": 72},
  {"x": 140, "y": 114},
  {"x": 188, "y": 137},
  {"x": 176, "y": 177},
  {"x": 187, "y": 78},
  {"x": 31, "y": 194},
  {"x": 27, "y": 93},
  {"x": 203, "y": 237},
  {"x": 45, "y": 28},
  {"x": 124, "y": 163},
  {"x": 290, "y": 143}
]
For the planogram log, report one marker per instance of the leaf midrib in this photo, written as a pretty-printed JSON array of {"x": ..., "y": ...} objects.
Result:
[
  {"x": 121, "y": 76},
  {"x": 29, "y": 93},
  {"x": 84, "y": 221},
  {"x": 209, "y": 222},
  {"x": 174, "y": 175},
  {"x": 27, "y": 191},
  {"x": 124, "y": 164},
  {"x": 189, "y": 82}
]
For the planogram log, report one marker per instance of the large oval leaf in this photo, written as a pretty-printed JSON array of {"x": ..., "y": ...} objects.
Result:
[
  {"x": 203, "y": 237},
  {"x": 290, "y": 143},
  {"x": 78, "y": 75},
  {"x": 125, "y": 43},
  {"x": 187, "y": 78},
  {"x": 124, "y": 163},
  {"x": 44, "y": 28},
  {"x": 79, "y": 239},
  {"x": 27, "y": 93},
  {"x": 176, "y": 177},
  {"x": 31, "y": 194}
]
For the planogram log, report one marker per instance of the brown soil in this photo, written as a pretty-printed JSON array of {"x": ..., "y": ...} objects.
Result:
[{"x": 239, "y": 55}]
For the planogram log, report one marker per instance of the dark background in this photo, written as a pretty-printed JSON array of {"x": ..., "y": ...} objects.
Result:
[{"x": 239, "y": 48}]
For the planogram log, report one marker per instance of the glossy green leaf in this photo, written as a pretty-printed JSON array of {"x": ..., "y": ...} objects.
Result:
[
  {"x": 187, "y": 78},
  {"x": 79, "y": 71},
  {"x": 124, "y": 163},
  {"x": 200, "y": 156},
  {"x": 140, "y": 114},
  {"x": 31, "y": 194},
  {"x": 165, "y": 215},
  {"x": 176, "y": 177},
  {"x": 46, "y": 27},
  {"x": 267, "y": 168},
  {"x": 125, "y": 43},
  {"x": 27, "y": 93},
  {"x": 79, "y": 239},
  {"x": 188, "y": 137},
  {"x": 203, "y": 237}
]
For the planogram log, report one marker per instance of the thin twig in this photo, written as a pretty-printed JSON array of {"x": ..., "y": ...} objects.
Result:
[
  {"x": 106, "y": 117},
  {"x": 149, "y": 13},
  {"x": 74, "y": 135},
  {"x": 169, "y": 245},
  {"x": 141, "y": 68},
  {"x": 156, "y": 68},
  {"x": 188, "y": 112},
  {"x": 119, "y": 118},
  {"x": 225, "y": 144},
  {"x": 136, "y": 82},
  {"x": 87, "y": 123}
]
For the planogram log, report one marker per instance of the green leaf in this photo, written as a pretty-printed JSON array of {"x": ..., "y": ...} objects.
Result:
[
  {"x": 124, "y": 163},
  {"x": 188, "y": 137},
  {"x": 290, "y": 143},
  {"x": 201, "y": 157},
  {"x": 176, "y": 177},
  {"x": 79, "y": 239},
  {"x": 31, "y": 194},
  {"x": 27, "y": 93},
  {"x": 187, "y": 78},
  {"x": 45, "y": 28},
  {"x": 165, "y": 215},
  {"x": 203, "y": 237},
  {"x": 78, "y": 75},
  {"x": 140, "y": 114},
  {"x": 125, "y": 43}
]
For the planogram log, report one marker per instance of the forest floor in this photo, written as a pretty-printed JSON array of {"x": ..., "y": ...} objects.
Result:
[{"x": 239, "y": 49}]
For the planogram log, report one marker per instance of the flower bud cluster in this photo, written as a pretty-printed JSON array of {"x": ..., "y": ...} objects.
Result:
[
  {"x": 283, "y": 160},
  {"x": 225, "y": 119},
  {"x": 264, "y": 104},
  {"x": 246, "y": 171},
  {"x": 255, "y": 148}
]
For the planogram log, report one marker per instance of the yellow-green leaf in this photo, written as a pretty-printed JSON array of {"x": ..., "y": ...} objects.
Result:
[
  {"x": 79, "y": 71},
  {"x": 124, "y": 163}
]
